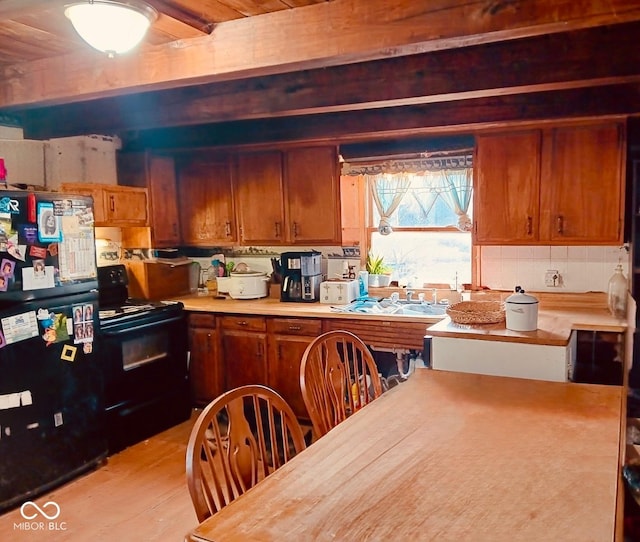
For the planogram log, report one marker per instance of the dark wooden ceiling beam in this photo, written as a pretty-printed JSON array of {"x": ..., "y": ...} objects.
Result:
[
  {"x": 320, "y": 35},
  {"x": 561, "y": 61},
  {"x": 183, "y": 15},
  {"x": 464, "y": 116}
]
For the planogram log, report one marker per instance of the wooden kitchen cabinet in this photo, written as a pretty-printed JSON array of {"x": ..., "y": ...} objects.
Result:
[
  {"x": 558, "y": 186},
  {"x": 244, "y": 345},
  {"x": 205, "y": 369},
  {"x": 583, "y": 183},
  {"x": 206, "y": 201},
  {"x": 114, "y": 205},
  {"x": 507, "y": 187},
  {"x": 259, "y": 198},
  {"x": 288, "y": 339},
  {"x": 157, "y": 174},
  {"x": 288, "y": 197},
  {"x": 312, "y": 195}
]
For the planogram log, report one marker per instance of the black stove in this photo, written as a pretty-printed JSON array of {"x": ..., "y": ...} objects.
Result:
[
  {"x": 115, "y": 305},
  {"x": 145, "y": 361}
]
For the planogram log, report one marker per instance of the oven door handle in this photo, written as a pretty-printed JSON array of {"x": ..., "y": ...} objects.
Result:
[{"x": 142, "y": 326}]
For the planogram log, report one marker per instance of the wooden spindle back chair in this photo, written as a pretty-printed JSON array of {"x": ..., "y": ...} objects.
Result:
[
  {"x": 338, "y": 375},
  {"x": 239, "y": 438}
]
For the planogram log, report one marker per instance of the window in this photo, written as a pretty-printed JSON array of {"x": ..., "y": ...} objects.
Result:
[{"x": 419, "y": 219}]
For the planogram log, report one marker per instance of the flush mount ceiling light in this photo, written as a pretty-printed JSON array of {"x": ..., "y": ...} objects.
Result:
[{"x": 112, "y": 27}]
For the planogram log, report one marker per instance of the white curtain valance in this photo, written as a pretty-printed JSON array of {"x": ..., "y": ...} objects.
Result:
[{"x": 413, "y": 165}]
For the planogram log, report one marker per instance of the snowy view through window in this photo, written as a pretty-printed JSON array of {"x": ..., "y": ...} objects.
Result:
[{"x": 432, "y": 254}]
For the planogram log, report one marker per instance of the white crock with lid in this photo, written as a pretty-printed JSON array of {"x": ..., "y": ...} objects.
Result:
[
  {"x": 521, "y": 311},
  {"x": 248, "y": 284}
]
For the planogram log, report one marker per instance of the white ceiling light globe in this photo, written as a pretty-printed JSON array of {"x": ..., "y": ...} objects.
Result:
[{"x": 109, "y": 26}]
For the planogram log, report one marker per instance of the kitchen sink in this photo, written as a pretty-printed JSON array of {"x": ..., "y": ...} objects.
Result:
[
  {"x": 421, "y": 308},
  {"x": 392, "y": 307}
]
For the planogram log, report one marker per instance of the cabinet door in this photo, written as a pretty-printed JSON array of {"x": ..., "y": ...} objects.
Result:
[
  {"x": 285, "y": 355},
  {"x": 312, "y": 195},
  {"x": 165, "y": 230},
  {"x": 206, "y": 203},
  {"x": 126, "y": 206},
  {"x": 204, "y": 369},
  {"x": 259, "y": 198},
  {"x": 96, "y": 192},
  {"x": 245, "y": 358},
  {"x": 506, "y": 188},
  {"x": 584, "y": 181}
]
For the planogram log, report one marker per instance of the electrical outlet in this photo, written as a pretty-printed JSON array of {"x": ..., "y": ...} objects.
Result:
[{"x": 552, "y": 278}]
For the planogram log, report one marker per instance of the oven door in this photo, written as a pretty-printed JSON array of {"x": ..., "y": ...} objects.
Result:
[{"x": 145, "y": 376}]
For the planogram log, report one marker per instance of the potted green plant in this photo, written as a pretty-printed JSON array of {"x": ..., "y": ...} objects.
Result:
[{"x": 379, "y": 272}]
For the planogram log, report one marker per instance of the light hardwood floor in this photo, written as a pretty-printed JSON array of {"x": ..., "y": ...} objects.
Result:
[{"x": 140, "y": 494}]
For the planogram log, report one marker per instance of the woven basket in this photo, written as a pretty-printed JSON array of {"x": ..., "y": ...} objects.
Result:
[{"x": 476, "y": 312}]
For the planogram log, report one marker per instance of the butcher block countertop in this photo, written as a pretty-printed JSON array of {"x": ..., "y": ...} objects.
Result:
[
  {"x": 558, "y": 315},
  {"x": 554, "y": 327},
  {"x": 269, "y": 306}
]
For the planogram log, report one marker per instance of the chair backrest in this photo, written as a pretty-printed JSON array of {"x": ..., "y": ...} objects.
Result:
[
  {"x": 239, "y": 438},
  {"x": 338, "y": 375}
]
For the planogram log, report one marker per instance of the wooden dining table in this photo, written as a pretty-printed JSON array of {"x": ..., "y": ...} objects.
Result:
[{"x": 449, "y": 457}]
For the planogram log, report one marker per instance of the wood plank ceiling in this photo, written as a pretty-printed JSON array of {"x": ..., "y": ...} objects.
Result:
[{"x": 233, "y": 72}]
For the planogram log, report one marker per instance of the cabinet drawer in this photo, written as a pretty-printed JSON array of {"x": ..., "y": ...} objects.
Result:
[
  {"x": 202, "y": 320},
  {"x": 244, "y": 323},
  {"x": 295, "y": 326}
]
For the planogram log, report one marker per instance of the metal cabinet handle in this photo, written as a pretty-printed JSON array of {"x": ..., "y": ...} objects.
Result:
[
  {"x": 560, "y": 224},
  {"x": 278, "y": 228},
  {"x": 208, "y": 343},
  {"x": 242, "y": 323},
  {"x": 529, "y": 225},
  {"x": 295, "y": 328},
  {"x": 112, "y": 203},
  {"x": 259, "y": 354},
  {"x": 295, "y": 230},
  {"x": 227, "y": 228}
]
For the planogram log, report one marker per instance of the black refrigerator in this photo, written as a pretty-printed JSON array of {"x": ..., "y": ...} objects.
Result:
[{"x": 51, "y": 393}]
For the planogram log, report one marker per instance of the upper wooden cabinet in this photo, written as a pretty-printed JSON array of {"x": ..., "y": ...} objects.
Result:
[
  {"x": 312, "y": 195},
  {"x": 557, "y": 186},
  {"x": 206, "y": 201},
  {"x": 259, "y": 198},
  {"x": 157, "y": 174},
  {"x": 584, "y": 185},
  {"x": 507, "y": 188},
  {"x": 289, "y": 197},
  {"x": 114, "y": 205}
]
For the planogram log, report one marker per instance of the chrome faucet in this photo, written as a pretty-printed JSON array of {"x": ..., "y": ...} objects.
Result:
[
  {"x": 435, "y": 296},
  {"x": 394, "y": 297},
  {"x": 409, "y": 295}
]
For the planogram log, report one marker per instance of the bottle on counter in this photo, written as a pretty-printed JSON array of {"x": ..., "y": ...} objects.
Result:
[{"x": 617, "y": 293}]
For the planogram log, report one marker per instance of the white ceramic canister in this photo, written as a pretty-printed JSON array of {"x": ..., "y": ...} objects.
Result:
[{"x": 521, "y": 311}]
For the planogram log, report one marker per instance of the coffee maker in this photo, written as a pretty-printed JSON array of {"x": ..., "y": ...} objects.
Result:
[{"x": 301, "y": 276}]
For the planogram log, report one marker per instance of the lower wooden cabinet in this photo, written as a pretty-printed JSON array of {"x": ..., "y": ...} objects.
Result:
[
  {"x": 288, "y": 339},
  {"x": 244, "y": 348},
  {"x": 228, "y": 351},
  {"x": 205, "y": 364}
]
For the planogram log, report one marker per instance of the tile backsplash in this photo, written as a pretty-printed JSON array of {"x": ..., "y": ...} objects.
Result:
[{"x": 581, "y": 268}]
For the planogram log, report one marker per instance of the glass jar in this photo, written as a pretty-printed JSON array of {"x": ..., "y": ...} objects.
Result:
[{"x": 617, "y": 293}]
